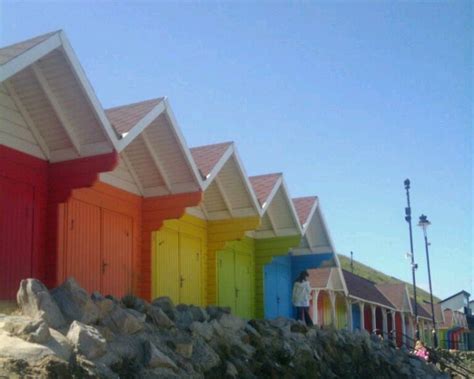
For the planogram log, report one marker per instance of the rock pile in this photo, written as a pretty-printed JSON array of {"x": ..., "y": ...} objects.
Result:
[{"x": 67, "y": 333}]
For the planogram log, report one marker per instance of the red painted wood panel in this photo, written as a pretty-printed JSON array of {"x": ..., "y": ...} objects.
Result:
[
  {"x": 16, "y": 237},
  {"x": 23, "y": 170}
]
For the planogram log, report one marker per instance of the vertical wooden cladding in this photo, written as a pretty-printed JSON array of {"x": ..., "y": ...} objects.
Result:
[
  {"x": 265, "y": 250},
  {"x": 23, "y": 186},
  {"x": 99, "y": 239},
  {"x": 179, "y": 260},
  {"x": 155, "y": 211},
  {"x": 220, "y": 233}
]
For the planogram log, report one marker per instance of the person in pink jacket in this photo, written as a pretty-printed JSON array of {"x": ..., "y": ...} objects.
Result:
[
  {"x": 421, "y": 351},
  {"x": 301, "y": 297}
]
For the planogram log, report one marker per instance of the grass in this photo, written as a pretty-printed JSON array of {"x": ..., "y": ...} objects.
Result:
[{"x": 379, "y": 277}]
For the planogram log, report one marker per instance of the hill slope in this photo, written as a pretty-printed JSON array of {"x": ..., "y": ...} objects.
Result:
[{"x": 379, "y": 277}]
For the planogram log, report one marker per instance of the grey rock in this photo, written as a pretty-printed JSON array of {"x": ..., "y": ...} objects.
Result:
[
  {"x": 166, "y": 305},
  {"x": 87, "y": 340},
  {"x": 158, "y": 317},
  {"x": 133, "y": 302},
  {"x": 31, "y": 330},
  {"x": 231, "y": 370},
  {"x": 123, "y": 321},
  {"x": 184, "y": 347},
  {"x": 35, "y": 301},
  {"x": 203, "y": 357},
  {"x": 216, "y": 312},
  {"x": 75, "y": 303},
  {"x": 203, "y": 329},
  {"x": 156, "y": 358},
  {"x": 231, "y": 322},
  {"x": 199, "y": 314}
]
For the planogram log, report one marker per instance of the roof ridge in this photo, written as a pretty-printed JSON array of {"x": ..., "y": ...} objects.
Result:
[
  {"x": 269, "y": 174},
  {"x": 135, "y": 103},
  {"x": 213, "y": 144},
  {"x": 44, "y": 35}
]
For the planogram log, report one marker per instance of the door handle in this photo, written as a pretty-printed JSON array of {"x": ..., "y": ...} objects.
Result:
[
  {"x": 181, "y": 281},
  {"x": 104, "y": 265},
  {"x": 278, "y": 299},
  {"x": 236, "y": 292}
]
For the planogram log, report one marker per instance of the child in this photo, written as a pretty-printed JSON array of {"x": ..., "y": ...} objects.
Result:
[{"x": 421, "y": 351}]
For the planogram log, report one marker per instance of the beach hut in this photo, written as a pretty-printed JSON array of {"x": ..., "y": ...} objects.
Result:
[
  {"x": 106, "y": 230},
  {"x": 205, "y": 256},
  {"x": 54, "y": 138},
  {"x": 279, "y": 231}
]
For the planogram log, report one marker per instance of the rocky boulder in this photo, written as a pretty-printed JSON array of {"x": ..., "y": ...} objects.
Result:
[
  {"x": 87, "y": 340},
  {"x": 75, "y": 303},
  {"x": 35, "y": 301}
]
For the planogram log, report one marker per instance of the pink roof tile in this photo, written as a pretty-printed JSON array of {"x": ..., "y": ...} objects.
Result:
[
  {"x": 422, "y": 312},
  {"x": 125, "y": 117},
  {"x": 263, "y": 185},
  {"x": 394, "y": 292},
  {"x": 303, "y": 206},
  {"x": 206, "y": 157},
  {"x": 319, "y": 277},
  {"x": 9, "y": 52}
]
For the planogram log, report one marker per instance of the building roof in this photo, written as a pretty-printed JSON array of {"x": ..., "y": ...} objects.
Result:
[
  {"x": 7, "y": 53},
  {"x": 437, "y": 310},
  {"x": 125, "y": 117},
  {"x": 456, "y": 294},
  {"x": 319, "y": 277},
  {"x": 303, "y": 206},
  {"x": 422, "y": 312},
  {"x": 394, "y": 292},
  {"x": 263, "y": 185},
  {"x": 364, "y": 289},
  {"x": 206, "y": 157}
]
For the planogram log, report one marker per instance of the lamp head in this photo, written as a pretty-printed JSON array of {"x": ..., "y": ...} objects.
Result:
[
  {"x": 424, "y": 222},
  {"x": 407, "y": 183}
]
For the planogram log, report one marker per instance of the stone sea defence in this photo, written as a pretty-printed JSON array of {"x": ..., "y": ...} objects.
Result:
[{"x": 67, "y": 332}]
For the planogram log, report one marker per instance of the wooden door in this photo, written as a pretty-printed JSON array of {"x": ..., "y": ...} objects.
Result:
[
  {"x": 117, "y": 245},
  {"x": 190, "y": 269},
  {"x": 16, "y": 235},
  {"x": 166, "y": 264},
  {"x": 243, "y": 285},
  {"x": 83, "y": 257},
  {"x": 226, "y": 279}
]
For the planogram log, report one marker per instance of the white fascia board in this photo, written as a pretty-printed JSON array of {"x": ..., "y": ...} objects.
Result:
[
  {"x": 410, "y": 307},
  {"x": 371, "y": 302},
  {"x": 310, "y": 216},
  {"x": 88, "y": 90},
  {"x": 30, "y": 56},
  {"x": 246, "y": 180},
  {"x": 323, "y": 222},
  {"x": 182, "y": 142},
  {"x": 271, "y": 195},
  {"x": 140, "y": 126},
  {"x": 218, "y": 167},
  {"x": 341, "y": 274},
  {"x": 294, "y": 215}
]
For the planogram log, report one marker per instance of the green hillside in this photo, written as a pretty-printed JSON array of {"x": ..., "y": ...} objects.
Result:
[{"x": 379, "y": 277}]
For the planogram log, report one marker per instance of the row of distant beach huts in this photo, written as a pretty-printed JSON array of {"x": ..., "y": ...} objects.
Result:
[{"x": 116, "y": 199}]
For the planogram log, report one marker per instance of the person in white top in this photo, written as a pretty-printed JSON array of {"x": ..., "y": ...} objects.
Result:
[{"x": 301, "y": 297}]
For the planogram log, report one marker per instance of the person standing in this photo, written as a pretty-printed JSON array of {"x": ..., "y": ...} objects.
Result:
[{"x": 301, "y": 297}]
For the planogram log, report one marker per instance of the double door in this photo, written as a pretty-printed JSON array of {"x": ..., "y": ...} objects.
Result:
[
  {"x": 277, "y": 288},
  {"x": 235, "y": 281},
  {"x": 177, "y": 266},
  {"x": 98, "y": 248}
]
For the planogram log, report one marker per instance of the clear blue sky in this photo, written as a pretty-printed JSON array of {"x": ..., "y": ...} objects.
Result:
[{"x": 346, "y": 99}]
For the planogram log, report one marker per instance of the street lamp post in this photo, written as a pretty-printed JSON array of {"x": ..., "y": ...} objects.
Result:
[
  {"x": 424, "y": 223},
  {"x": 414, "y": 266}
]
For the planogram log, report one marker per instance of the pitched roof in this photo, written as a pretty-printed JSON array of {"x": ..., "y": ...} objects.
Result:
[
  {"x": 437, "y": 310},
  {"x": 206, "y": 157},
  {"x": 125, "y": 117},
  {"x": 422, "y": 312},
  {"x": 263, "y": 185},
  {"x": 303, "y": 206},
  {"x": 319, "y": 277},
  {"x": 456, "y": 294},
  {"x": 394, "y": 292},
  {"x": 8, "y": 53},
  {"x": 364, "y": 289}
]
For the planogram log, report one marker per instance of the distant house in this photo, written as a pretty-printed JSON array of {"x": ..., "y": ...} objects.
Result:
[{"x": 457, "y": 302}]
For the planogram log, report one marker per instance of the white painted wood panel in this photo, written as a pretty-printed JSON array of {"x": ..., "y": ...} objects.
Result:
[
  {"x": 213, "y": 200},
  {"x": 143, "y": 164},
  {"x": 169, "y": 151},
  {"x": 234, "y": 186}
]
